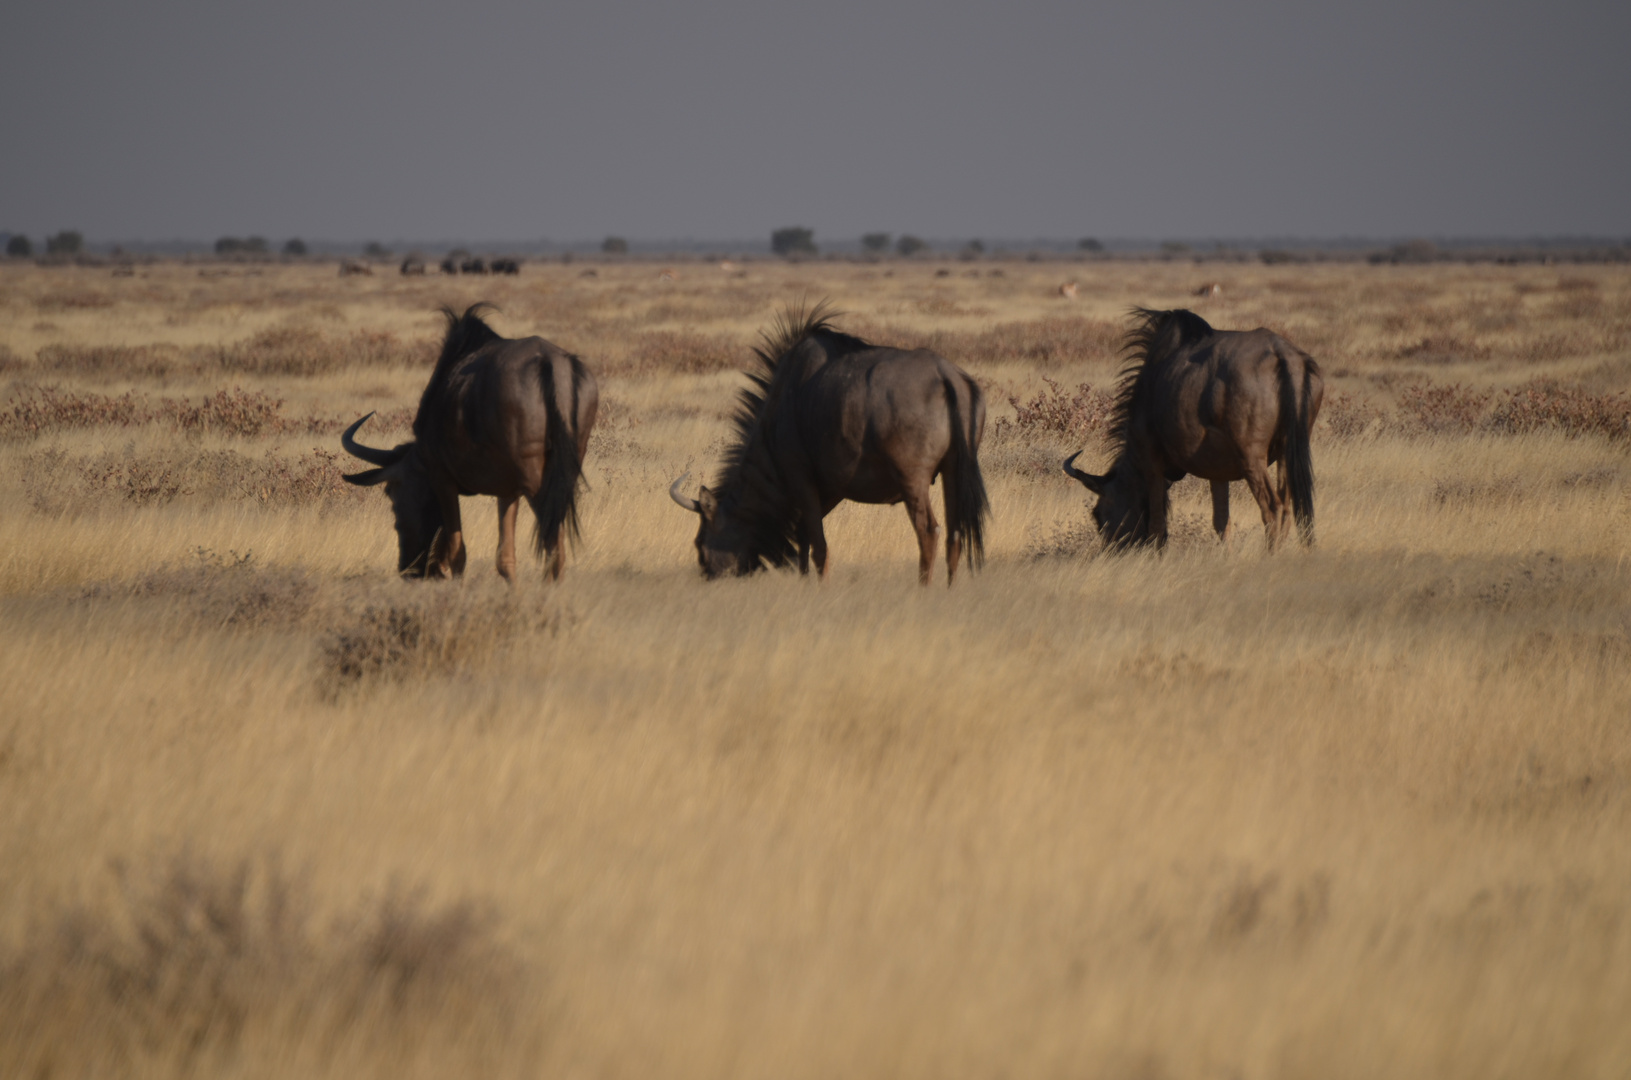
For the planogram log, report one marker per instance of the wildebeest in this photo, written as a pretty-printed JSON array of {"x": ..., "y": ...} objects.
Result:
[
  {"x": 413, "y": 264},
  {"x": 349, "y": 267},
  {"x": 1219, "y": 404},
  {"x": 476, "y": 265},
  {"x": 450, "y": 265},
  {"x": 502, "y": 417},
  {"x": 830, "y": 417},
  {"x": 505, "y": 265}
]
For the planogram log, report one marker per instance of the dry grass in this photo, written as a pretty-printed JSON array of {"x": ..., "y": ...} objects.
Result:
[{"x": 1355, "y": 811}]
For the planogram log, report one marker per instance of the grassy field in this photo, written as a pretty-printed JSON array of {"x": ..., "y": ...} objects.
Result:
[{"x": 1356, "y": 811}]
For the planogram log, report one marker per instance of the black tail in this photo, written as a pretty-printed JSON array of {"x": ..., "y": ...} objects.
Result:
[
  {"x": 1296, "y": 414},
  {"x": 968, "y": 507},
  {"x": 556, "y": 504}
]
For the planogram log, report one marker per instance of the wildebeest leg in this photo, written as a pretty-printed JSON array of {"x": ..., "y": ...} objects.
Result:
[
  {"x": 954, "y": 542},
  {"x": 1283, "y": 488},
  {"x": 927, "y": 529},
  {"x": 1158, "y": 509},
  {"x": 449, "y": 561},
  {"x": 506, "y": 537},
  {"x": 1220, "y": 508},
  {"x": 1268, "y": 500}
]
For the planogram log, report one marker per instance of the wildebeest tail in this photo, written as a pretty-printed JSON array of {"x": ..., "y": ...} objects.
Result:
[
  {"x": 1296, "y": 408},
  {"x": 968, "y": 507},
  {"x": 556, "y": 504}
]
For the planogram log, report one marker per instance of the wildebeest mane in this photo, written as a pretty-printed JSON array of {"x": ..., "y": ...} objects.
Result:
[
  {"x": 1153, "y": 335},
  {"x": 749, "y": 476},
  {"x": 465, "y": 334}
]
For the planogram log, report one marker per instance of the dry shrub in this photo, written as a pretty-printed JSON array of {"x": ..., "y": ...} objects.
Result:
[
  {"x": 1058, "y": 413},
  {"x": 10, "y": 361},
  {"x": 1443, "y": 349},
  {"x": 686, "y": 353},
  {"x": 1348, "y": 416},
  {"x": 73, "y": 300},
  {"x": 49, "y": 408},
  {"x": 153, "y": 361},
  {"x": 1546, "y": 405},
  {"x": 299, "y": 350},
  {"x": 189, "y": 962},
  {"x": 433, "y": 630},
  {"x": 1447, "y": 409},
  {"x": 236, "y": 412},
  {"x": 57, "y": 482},
  {"x": 228, "y": 590},
  {"x": 1038, "y": 343}
]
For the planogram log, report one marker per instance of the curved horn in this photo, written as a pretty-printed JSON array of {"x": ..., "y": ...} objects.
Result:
[
  {"x": 370, "y": 454},
  {"x": 1093, "y": 483},
  {"x": 674, "y": 493}
]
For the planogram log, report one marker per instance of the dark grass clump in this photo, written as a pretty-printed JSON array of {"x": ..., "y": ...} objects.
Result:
[
  {"x": 57, "y": 482},
  {"x": 433, "y": 629},
  {"x": 189, "y": 964}
]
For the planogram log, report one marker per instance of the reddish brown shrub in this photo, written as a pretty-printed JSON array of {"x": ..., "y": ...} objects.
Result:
[
  {"x": 1425, "y": 408},
  {"x": 1056, "y": 412},
  {"x": 1348, "y": 416},
  {"x": 1547, "y": 405}
]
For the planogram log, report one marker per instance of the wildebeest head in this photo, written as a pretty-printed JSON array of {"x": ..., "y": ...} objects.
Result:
[
  {"x": 418, "y": 515},
  {"x": 723, "y": 547},
  {"x": 1120, "y": 514}
]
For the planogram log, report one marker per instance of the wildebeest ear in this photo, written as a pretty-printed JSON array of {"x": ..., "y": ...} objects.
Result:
[
  {"x": 708, "y": 502},
  {"x": 366, "y": 478}
]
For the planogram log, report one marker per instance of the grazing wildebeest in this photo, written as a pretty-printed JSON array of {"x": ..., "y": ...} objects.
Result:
[
  {"x": 831, "y": 417},
  {"x": 450, "y": 265},
  {"x": 1219, "y": 404},
  {"x": 505, "y": 265},
  {"x": 500, "y": 417},
  {"x": 476, "y": 265}
]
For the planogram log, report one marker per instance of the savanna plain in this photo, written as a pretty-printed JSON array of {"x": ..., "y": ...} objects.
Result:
[{"x": 1356, "y": 810}]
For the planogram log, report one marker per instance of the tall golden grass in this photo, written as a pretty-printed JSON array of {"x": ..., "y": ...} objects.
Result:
[{"x": 1358, "y": 810}]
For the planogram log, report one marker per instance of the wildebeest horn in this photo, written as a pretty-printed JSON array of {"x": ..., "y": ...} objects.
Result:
[
  {"x": 370, "y": 454},
  {"x": 674, "y": 493},
  {"x": 1094, "y": 483}
]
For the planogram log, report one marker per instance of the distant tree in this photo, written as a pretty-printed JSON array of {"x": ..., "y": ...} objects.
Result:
[
  {"x": 1173, "y": 248},
  {"x": 18, "y": 247},
  {"x": 910, "y": 245},
  {"x": 876, "y": 241},
  {"x": 1087, "y": 243},
  {"x": 375, "y": 250},
  {"x": 294, "y": 247},
  {"x": 66, "y": 242},
  {"x": 793, "y": 240},
  {"x": 255, "y": 245},
  {"x": 614, "y": 245},
  {"x": 971, "y": 250},
  {"x": 228, "y": 245}
]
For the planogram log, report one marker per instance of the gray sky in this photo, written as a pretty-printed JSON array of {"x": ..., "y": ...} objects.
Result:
[{"x": 346, "y": 119}]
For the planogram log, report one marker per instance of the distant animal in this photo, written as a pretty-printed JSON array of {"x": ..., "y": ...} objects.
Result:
[
  {"x": 502, "y": 417},
  {"x": 1068, "y": 290},
  {"x": 1211, "y": 288},
  {"x": 413, "y": 264},
  {"x": 349, "y": 267},
  {"x": 830, "y": 417},
  {"x": 665, "y": 274},
  {"x": 450, "y": 265},
  {"x": 476, "y": 265},
  {"x": 1222, "y": 405},
  {"x": 505, "y": 265}
]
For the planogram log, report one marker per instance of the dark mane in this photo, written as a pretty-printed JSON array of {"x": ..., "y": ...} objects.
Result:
[
  {"x": 1153, "y": 335},
  {"x": 465, "y": 334},
  {"x": 749, "y": 475}
]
